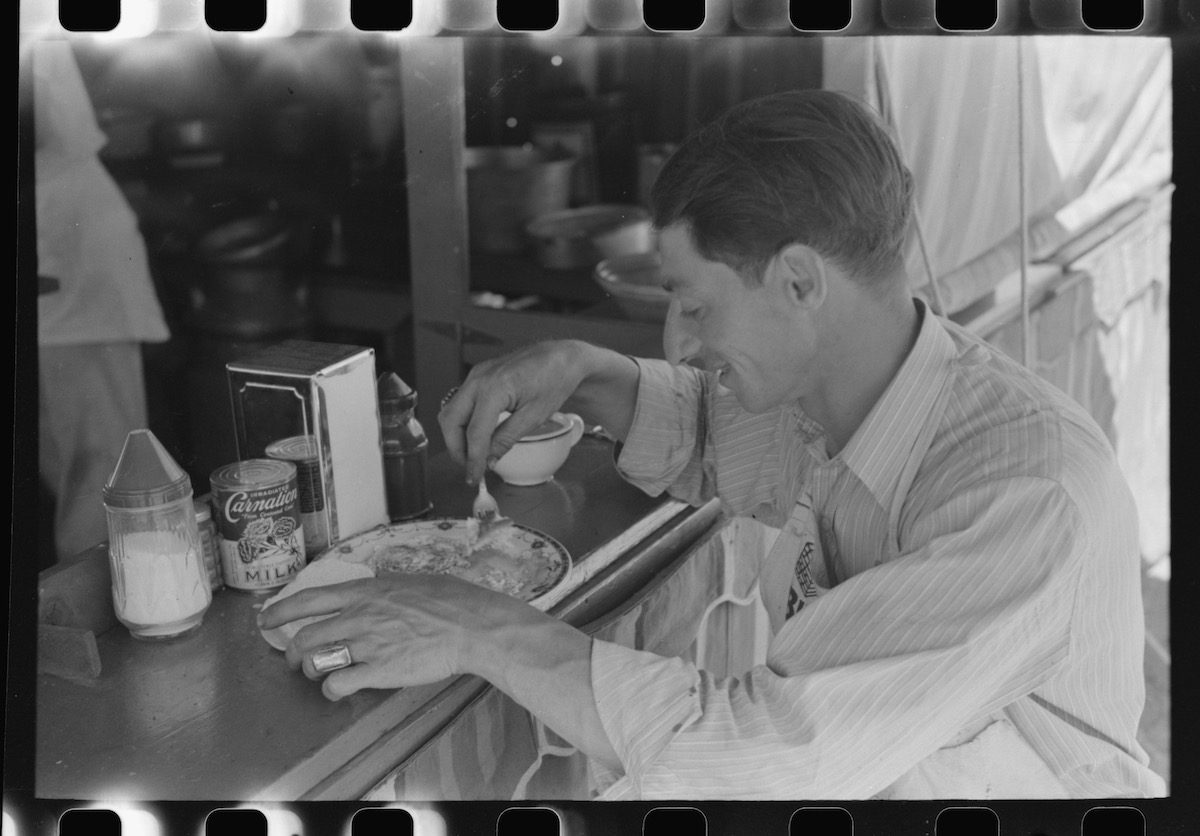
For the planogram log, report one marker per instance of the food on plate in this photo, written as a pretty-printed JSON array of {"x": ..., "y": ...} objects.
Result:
[
  {"x": 504, "y": 562},
  {"x": 514, "y": 560}
]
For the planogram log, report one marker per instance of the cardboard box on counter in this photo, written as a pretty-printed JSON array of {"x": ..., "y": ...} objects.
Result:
[{"x": 326, "y": 392}]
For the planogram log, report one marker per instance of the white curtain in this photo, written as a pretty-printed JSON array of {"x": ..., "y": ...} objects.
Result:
[{"x": 1097, "y": 134}]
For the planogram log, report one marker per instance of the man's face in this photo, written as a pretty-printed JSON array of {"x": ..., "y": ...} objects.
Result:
[{"x": 748, "y": 334}]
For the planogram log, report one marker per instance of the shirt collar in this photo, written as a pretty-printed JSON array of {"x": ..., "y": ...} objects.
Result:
[{"x": 879, "y": 449}]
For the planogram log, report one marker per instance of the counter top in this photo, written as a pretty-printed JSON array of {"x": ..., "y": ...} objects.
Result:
[{"x": 218, "y": 715}]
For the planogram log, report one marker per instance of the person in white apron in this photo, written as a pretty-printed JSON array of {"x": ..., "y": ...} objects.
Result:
[{"x": 102, "y": 305}]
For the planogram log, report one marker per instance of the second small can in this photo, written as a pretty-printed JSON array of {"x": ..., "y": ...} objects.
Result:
[
  {"x": 256, "y": 503},
  {"x": 208, "y": 542},
  {"x": 301, "y": 450}
]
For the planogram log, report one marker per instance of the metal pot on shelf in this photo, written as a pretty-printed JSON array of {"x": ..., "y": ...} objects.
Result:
[
  {"x": 247, "y": 298},
  {"x": 508, "y": 186},
  {"x": 244, "y": 263},
  {"x": 607, "y": 126}
]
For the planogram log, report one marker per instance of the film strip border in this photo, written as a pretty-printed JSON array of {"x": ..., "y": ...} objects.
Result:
[
  {"x": 565, "y": 18},
  {"x": 590, "y": 820},
  {"x": 569, "y": 18}
]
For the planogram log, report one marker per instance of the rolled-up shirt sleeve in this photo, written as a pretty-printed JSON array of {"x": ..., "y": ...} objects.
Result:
[
  {"x": 872, "y": 677},
  {"x": 690, "y": 438},
  {"x": 665, "y": 444}
]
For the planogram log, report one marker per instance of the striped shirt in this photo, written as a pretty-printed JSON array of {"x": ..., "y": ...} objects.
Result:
[{"x": 982, "y": 550}]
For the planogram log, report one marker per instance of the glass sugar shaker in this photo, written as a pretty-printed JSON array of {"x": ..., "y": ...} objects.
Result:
[
  {"x": 405, "y": 450},
  {"x": 160, "y": 585}
]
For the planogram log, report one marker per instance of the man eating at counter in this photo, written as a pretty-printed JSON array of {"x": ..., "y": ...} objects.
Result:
[{"x": 954, "y": 597}]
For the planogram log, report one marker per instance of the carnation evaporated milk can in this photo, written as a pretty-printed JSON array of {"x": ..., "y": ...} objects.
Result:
[{"x": 256, "y": 503}]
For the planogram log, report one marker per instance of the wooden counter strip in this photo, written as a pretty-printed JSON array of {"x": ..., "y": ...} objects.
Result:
[{"x": 219, "y": 716}]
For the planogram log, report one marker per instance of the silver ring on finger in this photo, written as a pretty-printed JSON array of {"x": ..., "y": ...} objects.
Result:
[
  {"x": 331, "y": 658},
  {"x": 446, "y": 397}
]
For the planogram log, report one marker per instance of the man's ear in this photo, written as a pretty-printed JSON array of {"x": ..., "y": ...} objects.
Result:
[{"x": 802, "y": 276}]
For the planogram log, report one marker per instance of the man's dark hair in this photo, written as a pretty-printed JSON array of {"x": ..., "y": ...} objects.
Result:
[{"x": 805, "y": 166}]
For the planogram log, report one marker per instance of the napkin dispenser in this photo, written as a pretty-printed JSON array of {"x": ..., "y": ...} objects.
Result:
[{"x": 327, "y": 392}]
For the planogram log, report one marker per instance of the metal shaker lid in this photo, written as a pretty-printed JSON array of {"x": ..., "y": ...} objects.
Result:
[
  {"x": 394, "y": 393},
  {"x": 145, "y": 475},
  {"x": 297, "y": 448}
]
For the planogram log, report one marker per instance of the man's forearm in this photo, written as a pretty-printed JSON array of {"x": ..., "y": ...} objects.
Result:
[
  {"x": 545, "y": 666},
  {"x": 608, "y": 394}
]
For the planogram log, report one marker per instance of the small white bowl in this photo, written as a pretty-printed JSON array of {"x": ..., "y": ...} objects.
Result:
[{"x": 535, "y": 458}]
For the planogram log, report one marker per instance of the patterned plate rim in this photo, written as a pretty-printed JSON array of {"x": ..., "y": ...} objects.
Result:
[{"x": 381, "y": 531}]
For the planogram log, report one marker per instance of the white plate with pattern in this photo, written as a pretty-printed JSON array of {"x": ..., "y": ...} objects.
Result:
[{"x": 517, "y": 560}]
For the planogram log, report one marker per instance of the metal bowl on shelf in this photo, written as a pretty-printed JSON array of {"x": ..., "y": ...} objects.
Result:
[
  {"x": 254, "y": 239},
  {"x": 579, "y": 238},
  {"x": 634, "y": 282},
  {"x": 244, "y": 261}
]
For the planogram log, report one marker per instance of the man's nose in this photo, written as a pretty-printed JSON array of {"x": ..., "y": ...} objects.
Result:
[{"x": 680, "y": 345}]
